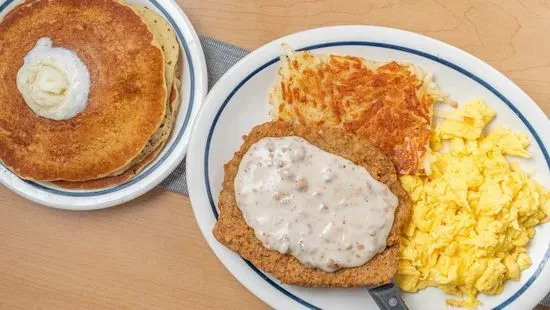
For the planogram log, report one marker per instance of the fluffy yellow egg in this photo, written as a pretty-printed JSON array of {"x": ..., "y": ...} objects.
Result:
[{"x": 475, "y": 213}]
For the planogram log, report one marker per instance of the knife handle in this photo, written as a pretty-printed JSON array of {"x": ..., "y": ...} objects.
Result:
[{"x": 387, "y": 297}]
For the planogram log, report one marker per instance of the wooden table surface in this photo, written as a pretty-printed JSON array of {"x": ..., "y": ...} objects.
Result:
[{"x": 149, "y": 253}]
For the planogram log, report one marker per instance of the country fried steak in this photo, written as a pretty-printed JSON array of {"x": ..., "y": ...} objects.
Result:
[{"x": 232, "y": 230}]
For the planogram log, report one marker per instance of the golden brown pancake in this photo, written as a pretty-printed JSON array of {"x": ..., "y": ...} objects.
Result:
[
  {"x": 165, "y": 36},
  {"x": 163, "y": 132},
  {"x": 232, "y": 230},
  {"x": 142, "y": 160},
  {"x": 127, "y": 98},
  {"x": 390, "y": 104}
]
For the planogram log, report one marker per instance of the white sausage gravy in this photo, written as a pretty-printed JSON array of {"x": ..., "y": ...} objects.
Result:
[{"x": 319, "y": 207}]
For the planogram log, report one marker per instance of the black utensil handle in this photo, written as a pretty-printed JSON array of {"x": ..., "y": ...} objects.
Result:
[{"x": 387, "y": 297}]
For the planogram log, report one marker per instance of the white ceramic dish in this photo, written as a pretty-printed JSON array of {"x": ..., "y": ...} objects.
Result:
[
  {"x": 193, "y": 90},
  {"x": 239, "y": 101}
]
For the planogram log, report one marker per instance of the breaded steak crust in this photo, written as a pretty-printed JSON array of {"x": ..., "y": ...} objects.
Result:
[{"x": 232, "y": 230}]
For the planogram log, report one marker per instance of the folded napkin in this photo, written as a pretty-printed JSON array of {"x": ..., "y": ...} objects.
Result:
[{"x": 220, "y": 57}]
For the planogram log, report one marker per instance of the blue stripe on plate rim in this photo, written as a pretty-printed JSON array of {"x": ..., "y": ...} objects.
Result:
[
  {"x": 394, "y": 47},
  {"x": 161, "y": 160}
]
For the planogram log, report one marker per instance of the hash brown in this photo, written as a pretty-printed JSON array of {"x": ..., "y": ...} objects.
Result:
[
  {"x": 390, "y": 104},
  {"x": 232, "y": 230}
]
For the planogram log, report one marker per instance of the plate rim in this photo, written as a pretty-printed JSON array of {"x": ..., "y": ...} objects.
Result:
[
  {"x": 217, "y": 91},
  {"x": 172, "y": 154}
]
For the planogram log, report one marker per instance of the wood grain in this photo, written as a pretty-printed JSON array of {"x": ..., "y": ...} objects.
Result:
[
  {"x": 149, "y": 253},
  {"x": 509, "y": 35}
]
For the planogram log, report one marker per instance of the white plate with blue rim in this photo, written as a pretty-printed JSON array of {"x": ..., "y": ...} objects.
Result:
[
  {"x": 238, "y": 102},
  {"x": 193, "y": 91}
]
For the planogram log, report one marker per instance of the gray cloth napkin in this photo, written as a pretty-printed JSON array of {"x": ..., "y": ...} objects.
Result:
[{"x": 220, "y": 57}]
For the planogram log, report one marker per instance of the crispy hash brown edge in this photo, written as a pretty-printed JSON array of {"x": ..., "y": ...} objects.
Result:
[{"x": 232, "y": 230}]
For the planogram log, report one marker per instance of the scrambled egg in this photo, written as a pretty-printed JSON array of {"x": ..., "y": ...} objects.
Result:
[{"x": 475, "y": 213}]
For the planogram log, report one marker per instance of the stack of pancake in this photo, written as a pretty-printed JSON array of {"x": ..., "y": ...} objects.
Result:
[{"x": 132, "y": 55}]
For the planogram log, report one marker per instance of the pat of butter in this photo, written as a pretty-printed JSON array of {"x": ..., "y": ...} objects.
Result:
[{"x": 53, "y": 81}]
